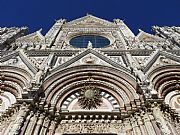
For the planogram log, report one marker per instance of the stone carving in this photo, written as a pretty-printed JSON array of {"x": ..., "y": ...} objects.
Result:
[
  {"x": 116, "y": 59},
  {"x": 89, "y": 60},
  {"x": 165, "y": 60},
  {"x": 90, "y": 128},
  {"x": 171, "y": 33},
  {"x": 90, "y": 97},
  {"x": 118, "y": 21},
  {"x": 177, "y": 127},
  {"x": 61, "y": 20},
  {"x": 12, "y": 61},
  {"x": 48, "y": 73},
  {"x": 160, "y": 120},
  {"x": 89, "y": 46},
  {"x": 142, "y": 60},
  {"x": 39, "y": 60},
  {"x": 8, "y": 35}
]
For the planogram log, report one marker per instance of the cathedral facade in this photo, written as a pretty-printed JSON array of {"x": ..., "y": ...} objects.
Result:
[{"x": 90, "y": 76}]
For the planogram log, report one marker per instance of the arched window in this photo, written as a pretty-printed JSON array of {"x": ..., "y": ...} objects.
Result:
[{"x": 82, "y": 41}]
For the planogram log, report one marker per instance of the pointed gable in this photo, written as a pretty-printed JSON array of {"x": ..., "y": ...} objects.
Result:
[
  {"x": 21, "y": 60},
  {"x": 90, "y": 20},
  {"x": 143, "y": 36},
  {"x": 160, "y": 58}
]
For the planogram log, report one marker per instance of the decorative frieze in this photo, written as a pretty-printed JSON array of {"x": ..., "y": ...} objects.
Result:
[{"x": 89, "y": 128}]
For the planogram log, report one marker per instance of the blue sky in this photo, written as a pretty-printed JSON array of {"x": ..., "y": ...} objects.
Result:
[{"x": 137, "y": 14}]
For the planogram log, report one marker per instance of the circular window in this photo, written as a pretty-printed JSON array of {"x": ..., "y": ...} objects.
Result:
[{"x": 82, "y": 41}]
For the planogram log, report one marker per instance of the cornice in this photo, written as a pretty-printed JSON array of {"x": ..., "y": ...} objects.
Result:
[
  {"x": 132, "y": 52},
  {"x": 110, "y": 52},
  {"x": 56, "y": 52},
  {"x": 115, "y": 52}
]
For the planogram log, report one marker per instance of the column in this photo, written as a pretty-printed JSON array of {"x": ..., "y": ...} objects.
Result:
[
  {"x": 127, "y": 127},
  {"x": 141, "y": 125},
  {"x": 52, "y": 127},
  {"x": 32, "y": 124},
  {"x": 148, "y": 125},
  {"x": 26, "y": 123},
  {"x": 135, "y": 126},
  {"x": 39, "y": 124},
  {"x": 45, "y": 126}
]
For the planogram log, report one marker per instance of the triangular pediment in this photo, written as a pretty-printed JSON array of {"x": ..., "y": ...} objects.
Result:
[
  {"x": 19, "y": 59},
  {"x": 160, "y": 58},
  {"x": 90, "y": 20},
  {"x": 90, "y": 57},
  {"x": 143, "y": 36}
]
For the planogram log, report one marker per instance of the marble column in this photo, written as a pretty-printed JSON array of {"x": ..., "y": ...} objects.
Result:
[
  {"x": 32, "y": 124},
  {"x": 26, "y": 123},
  {"x": 141, "y": 125},
  {"x": 52, "y": 127},
  {"x": 127, "y": 126},
  {"x": 135, "y": 127},
  {"x": 39, "y": 124},
  {"x": 45, "y": 126},
  {"x": 148, "y": 124}
]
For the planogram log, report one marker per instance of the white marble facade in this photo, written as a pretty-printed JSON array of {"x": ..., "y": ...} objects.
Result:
[{"x": 90, "y": 76}]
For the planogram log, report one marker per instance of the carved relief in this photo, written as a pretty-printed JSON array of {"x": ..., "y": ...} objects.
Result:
[
  {"x": 117, "y": 59},
  {"x": 89, "y": 60},
  {"x": 165, "y": 60},
  {"x": 89, "y": 128},
  {"x": 12, "y": 61},
  {"x": 141, "y": 60},
  {"x": 161, "y": 121},
  {"x": 39, "y": 60}
]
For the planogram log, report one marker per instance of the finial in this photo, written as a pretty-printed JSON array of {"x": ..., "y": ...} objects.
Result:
[
  {"x": 139, "y": 30},
  {"x": 88, "y": 14},
  {"x": 40, "y": 30},
  {"x": 60, "y": 20}
]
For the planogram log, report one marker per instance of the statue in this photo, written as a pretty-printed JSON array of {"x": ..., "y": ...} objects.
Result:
[
  {"x": 118, "y": 21},
  {"x": 89, "y": 46}
]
